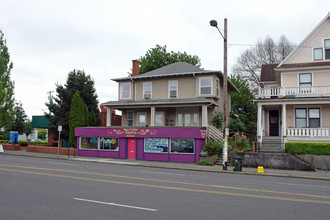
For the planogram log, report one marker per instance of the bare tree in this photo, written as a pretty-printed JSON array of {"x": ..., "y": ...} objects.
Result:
[{"x": 249, "y": 63}]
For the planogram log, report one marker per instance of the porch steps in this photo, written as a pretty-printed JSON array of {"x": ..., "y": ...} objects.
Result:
[{"x": 271, "y": 144}]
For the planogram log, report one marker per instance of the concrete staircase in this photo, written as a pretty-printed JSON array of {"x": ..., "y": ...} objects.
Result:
[{"x": 271, "y": 144}]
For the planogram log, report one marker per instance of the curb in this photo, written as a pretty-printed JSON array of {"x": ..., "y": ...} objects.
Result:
[{"x": 180, "y": 168}]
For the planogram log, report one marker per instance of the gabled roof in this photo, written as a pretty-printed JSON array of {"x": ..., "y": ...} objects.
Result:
[
  {"x": 301, "y": 45},
  {"x": 175, "y": 69},
  {"x": 268, "y": 73}
]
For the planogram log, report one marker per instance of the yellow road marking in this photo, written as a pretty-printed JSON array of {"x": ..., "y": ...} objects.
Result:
[
  {"x": 172, "y": 188},
  {"x": 169, "y": 181}
]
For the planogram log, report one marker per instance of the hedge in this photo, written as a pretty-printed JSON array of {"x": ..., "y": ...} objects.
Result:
[
  {"x": 4, "y": 141},
  {"x": 309, "y": 148},
  {"x": 34, "y": 142}
]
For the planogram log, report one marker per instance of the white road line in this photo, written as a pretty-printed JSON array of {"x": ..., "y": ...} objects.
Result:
[
  {"x": 114, "y": 204},
  {"x": 70, "y": 164},
  {"x": 292, "y": 184},
  {"x": 163, "y": 173}
]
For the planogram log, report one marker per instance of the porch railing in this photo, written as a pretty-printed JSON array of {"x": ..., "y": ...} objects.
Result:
[
  {"x": 308, "y": 132},
  {"x": 214, "y": 133},
  {"x": 294, "y": 91}
]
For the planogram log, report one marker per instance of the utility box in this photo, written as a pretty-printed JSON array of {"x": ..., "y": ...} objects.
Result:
[{"x": 13, "y": 136}]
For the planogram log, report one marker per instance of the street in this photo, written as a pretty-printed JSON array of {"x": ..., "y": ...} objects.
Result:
[{"x": 35, "y": 188}]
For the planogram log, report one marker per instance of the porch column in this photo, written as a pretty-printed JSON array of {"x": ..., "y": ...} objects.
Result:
[
  {"x": 204, "y": 116},
  {"x": 259, "y": 125},
  {"x": 108, "y": 117},
  {"x": 283, "y": 119},
  {"x": 152, "y": 116}
]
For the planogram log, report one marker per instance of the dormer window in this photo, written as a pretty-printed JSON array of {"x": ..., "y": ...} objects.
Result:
[
  {"x": 125, "y": 90},
  {"x": 318, "y": 53},
  {"x": 327, "y": 49},
  {"x": 147, "y": 90}
]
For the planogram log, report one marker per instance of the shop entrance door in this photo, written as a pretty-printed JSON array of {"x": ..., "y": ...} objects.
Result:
[{"x": 131, "y": 148}]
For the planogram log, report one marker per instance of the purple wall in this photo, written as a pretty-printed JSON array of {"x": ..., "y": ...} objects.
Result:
[{"x": 123, "y": 133}]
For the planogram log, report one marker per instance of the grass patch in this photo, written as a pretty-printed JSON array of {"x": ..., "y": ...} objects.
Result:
[
  {"x": 309, "y": 148},
  {"x": 205, "y": 163}
]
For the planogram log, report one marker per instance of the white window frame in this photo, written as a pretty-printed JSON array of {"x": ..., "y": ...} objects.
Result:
[
  {"x": 307, "y": 108},
  {"x": 200, "y": 86},
  {"x": 179, "y": 122},
  {"x": 318, "y": 48},
  {"x": 169, "y": 89},
  {"x": 325, "y": 58},
  {"x": 217, "y": 87},
  {"x": 144, "y": 89},
  {"x": 162, "y": 115},
  {"x": 138, "y": 118},
  {"x": 121, "y": 90}
]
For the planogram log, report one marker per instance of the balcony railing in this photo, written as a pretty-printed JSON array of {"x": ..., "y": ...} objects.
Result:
[
  {"x": 308, "y": 132},
  {"x": 279, "y": 92}
]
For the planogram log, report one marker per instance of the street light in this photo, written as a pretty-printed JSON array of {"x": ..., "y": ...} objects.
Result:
[{"x": 214, "y": 23}]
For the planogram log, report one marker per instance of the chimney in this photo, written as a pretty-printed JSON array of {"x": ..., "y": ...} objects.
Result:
[{"x": 136, "y": 65}]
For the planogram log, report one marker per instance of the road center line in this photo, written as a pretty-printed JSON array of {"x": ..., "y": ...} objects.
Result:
[
  {"x": 175, "y": 174},
  {"x": 293, "y": 184},
  {"x": 163, "y": 181},
  {"x": 114, "y": 204},
  {"x": 172, "y": 188}
]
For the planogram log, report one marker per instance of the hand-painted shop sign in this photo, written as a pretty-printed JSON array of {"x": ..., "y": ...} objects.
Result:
[{"x": 132, "y": 132}]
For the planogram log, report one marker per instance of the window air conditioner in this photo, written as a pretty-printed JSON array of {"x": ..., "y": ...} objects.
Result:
[{"x": 147, "y": 96}]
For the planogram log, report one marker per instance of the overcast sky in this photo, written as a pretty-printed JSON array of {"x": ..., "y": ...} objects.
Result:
[{"x": 48, "y": 39}]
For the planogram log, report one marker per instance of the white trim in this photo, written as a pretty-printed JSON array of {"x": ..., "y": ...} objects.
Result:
[
  {"x": 121, "y": 91},
  {"x": 199, "y": 87},
  {"x": 307, "y": 107},
  {"x": 169, "y": 89},
  {"x": 131, "y": 111},
  {"x": 138, "y": 118},
  {"x": 163, "y": 118},
  {"x": 298, "y": 48},
  {"x": 322, "y": 49},
  {"x": 143, "y": 89}
]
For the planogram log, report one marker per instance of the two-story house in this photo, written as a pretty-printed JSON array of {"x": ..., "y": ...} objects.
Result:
[
  {"x": 166, "y": 115},
  {"x": 294, "y": 96}
]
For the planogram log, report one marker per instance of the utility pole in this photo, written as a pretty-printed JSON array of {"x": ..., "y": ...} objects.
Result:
[{"x": 225, "y": 131}]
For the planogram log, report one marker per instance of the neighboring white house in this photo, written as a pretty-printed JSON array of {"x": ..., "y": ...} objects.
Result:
[{"x": 294, "y": 96}]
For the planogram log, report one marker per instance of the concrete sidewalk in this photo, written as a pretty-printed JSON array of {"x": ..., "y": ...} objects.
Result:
[{"x": 319, "y": 174}]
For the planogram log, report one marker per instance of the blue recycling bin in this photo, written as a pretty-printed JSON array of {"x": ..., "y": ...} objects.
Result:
[{"x": 13, "y": 136}]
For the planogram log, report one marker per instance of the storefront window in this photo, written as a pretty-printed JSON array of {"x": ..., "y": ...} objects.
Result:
[
  {"x": 107, "y": 143},
  {"x": 156, "y": 145},
  {"x": 180, "y": 145},
  {"x": 88, "y": 143}
]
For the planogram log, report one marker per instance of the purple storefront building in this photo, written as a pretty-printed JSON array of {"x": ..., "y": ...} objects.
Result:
[{"x": 179, "y": 144}]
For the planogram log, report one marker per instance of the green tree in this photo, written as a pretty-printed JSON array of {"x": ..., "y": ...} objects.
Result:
[
  {"x": 18, "y": 122},
  {"x": 77, "y": 116},
  {"x": 242, "y": 105},
  {"x": 28, "y": 129},
  {"x": 6, "y": 85},
  {"x": 92, "y": 119},
  {"x": 42, "y": 134},
  {"x": 158, "y": 57},
  {"x": 59, "y": 108}
]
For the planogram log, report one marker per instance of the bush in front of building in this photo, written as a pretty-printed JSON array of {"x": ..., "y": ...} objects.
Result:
[
  {"x": 308, "y": 148},
  {"x": 242, "y": 143},
  {"x": 4, "y": 141},
  {"x": 206, "y": 163},
  {"x": 33, "y": 142},
  {"x": 212, "y": 148}
]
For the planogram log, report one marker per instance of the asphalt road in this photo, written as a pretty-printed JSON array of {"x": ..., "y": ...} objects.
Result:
[{"x": 34, "y": 188}]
